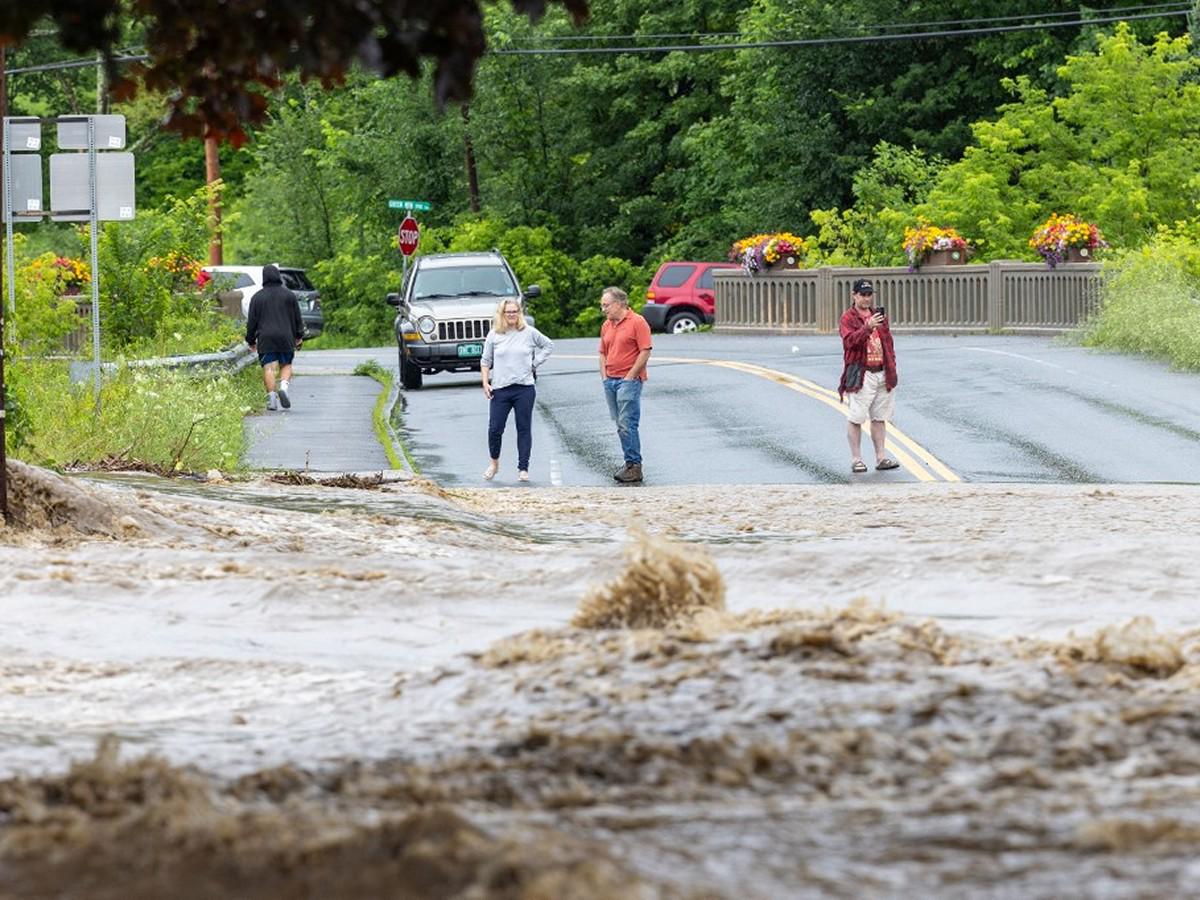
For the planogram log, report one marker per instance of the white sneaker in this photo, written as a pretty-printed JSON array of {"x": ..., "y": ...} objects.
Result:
[
  {"x": 284, "y": 399},
  {"x": 522, "y": 475},
  {"x": 272, "y": 401}
]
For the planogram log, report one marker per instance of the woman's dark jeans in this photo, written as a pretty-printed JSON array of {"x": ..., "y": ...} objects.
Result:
[{"x": 518, "y": 397}]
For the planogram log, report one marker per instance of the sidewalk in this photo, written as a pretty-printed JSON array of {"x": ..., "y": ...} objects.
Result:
[{"x": 328, "y": 428}]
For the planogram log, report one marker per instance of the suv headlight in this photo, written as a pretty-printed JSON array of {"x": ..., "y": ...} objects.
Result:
[{"x": 426, "y": 325}]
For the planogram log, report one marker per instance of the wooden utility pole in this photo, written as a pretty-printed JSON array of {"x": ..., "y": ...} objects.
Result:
[
  {"x": 3, "y": 391},
  {"x": 472, "y": 174},
  {"x": 212, "y": 173}
]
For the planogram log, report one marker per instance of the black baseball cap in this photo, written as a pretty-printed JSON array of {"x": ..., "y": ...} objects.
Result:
[{"x": 863, "y": 286}]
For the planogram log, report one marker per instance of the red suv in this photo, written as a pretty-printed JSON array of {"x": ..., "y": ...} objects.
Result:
[{"x": 680, "y": 298}]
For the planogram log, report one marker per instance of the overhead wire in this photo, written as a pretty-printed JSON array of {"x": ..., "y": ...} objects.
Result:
[
  {"x": 1180, "y": 5},
  {"x": 76, "y": 63},
  {"x": 831, "y": 40}
]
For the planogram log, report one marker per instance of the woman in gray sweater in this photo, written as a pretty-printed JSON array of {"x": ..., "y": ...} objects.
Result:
[{"x": 512, "y": 352}]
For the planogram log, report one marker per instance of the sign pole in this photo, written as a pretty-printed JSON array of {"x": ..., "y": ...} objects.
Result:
[
  {"x": 8, "y": 274},
  {"x": 95, "y": 279},
  {"x": 8, "y": 221}
]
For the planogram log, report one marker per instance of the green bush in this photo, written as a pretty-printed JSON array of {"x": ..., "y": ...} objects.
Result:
[
  {"x": 1150, "y": 301},
  {"x": 43, "y": 317},
  {"x": 594, "y": 275},
  {"x": 354, "y": 289},
  {"x": 145, "y": 263}
]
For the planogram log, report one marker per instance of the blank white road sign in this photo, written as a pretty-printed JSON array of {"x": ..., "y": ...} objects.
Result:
[
  {"x": 114, "y": 186},
  {"x": 26, "y": 172},
  {"x": 110, "y": 133}
]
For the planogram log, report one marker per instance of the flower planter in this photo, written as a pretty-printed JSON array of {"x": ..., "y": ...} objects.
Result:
[
  {"x": 784, "y": 264},
  {"x": 1080, "y": 255},
  {"x": 945, "y": 258}
]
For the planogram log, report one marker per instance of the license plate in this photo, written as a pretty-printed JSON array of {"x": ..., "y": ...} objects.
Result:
[{"x": 470, "y": 350}]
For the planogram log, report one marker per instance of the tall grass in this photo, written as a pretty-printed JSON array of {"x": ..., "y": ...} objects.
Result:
[
  {"x": 167, "y": 418},
  {"x": 1150, "y": 302}
]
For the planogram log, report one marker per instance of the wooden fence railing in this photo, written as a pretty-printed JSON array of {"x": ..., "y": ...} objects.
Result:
[{"x": 1000, "y": 296}]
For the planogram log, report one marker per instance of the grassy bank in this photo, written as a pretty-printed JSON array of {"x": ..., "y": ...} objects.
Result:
[
  {"x": 379, "y": 417},
  {"x": 171, "y": 419},
  {"x": 1151, "y": 303}
]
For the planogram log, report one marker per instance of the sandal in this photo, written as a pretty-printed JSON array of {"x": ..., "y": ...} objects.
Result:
[
  {"x": 858, "y": 466},
  {"x": 887, "y": 463},
  {"x": 490, "y": 472}
]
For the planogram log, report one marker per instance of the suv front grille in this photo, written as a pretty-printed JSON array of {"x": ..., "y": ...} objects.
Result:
[{"x": 464, "y": 330}]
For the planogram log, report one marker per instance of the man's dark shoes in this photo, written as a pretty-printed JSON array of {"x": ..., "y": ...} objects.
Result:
[{"x": 631, "y": 474}]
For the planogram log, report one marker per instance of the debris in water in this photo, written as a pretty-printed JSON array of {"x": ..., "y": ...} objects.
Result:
[{"x": 663, "y": 582}]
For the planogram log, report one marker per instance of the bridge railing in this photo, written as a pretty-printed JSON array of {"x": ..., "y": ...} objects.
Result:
[{"x": 1000, "y": 296}]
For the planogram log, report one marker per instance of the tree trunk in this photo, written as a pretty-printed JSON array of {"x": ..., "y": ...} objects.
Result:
[{"x": 472, "y": 174}]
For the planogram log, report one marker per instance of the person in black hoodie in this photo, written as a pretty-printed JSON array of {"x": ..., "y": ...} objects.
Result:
[{"x": 275, "y": 331}]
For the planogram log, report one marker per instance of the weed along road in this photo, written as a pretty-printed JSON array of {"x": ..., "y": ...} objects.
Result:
[{"x": 764, "y": 410}]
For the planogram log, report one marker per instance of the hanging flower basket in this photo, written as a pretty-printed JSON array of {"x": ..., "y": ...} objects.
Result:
[
  {"x": 929, "y": 245},
  {"x": 769, "y": 252},
  {"x": 1067, "y": 239}
]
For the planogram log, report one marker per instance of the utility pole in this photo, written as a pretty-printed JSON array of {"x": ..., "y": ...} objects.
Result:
[
  {"x": 472, "y": 173},
  {"x": 212, "y": 173},
  {"x": 3, "y": 390}
]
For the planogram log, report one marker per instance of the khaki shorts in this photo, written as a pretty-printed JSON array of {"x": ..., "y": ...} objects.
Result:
[{"x": 873, "y": 400}]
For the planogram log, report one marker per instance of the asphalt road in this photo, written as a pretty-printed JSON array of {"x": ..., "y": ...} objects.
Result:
[{"x": 746, "y": 410}]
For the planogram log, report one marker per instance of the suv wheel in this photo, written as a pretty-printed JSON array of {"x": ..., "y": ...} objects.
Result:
[
  {"x": 683, "y": 322},
  {"x": 410, "y": 374}
]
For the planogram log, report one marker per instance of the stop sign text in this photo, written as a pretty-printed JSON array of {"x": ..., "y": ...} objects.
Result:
[{"x": 410, "y": 236}]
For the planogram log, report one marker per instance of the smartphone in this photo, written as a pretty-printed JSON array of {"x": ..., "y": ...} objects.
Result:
[{"x": 880, "y": 311}]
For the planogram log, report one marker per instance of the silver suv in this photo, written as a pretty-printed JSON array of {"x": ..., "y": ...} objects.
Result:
[{"x": 445, "y": 310}]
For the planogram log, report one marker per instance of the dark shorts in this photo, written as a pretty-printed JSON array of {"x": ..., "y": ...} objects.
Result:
[{"x": 284, "y": 359}]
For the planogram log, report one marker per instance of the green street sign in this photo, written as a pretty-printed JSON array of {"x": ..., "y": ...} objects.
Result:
[{"x": 422, "y": 205}]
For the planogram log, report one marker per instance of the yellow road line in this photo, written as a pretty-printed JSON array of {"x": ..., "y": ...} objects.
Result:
[{"x": 829, "y": 397}]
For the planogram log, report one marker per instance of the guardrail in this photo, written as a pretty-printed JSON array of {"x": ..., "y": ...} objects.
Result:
[
  {"x": 1000, "y": 296},
  {"x": 234, "y": 359}
]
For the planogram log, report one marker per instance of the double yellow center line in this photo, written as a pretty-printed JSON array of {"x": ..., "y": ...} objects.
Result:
[{"x": 918, "y": 461}]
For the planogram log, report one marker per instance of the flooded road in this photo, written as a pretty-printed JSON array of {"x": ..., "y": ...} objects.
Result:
[
  {"x": 734, "y": 409},
  {"x": 265, "y": 689}
]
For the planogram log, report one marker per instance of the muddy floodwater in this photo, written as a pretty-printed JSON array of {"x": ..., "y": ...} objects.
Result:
[{"x": 263, "y": 689}]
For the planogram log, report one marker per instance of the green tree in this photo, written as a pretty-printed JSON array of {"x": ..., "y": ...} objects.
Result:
[
  {"x": 801, "y": 121},
  {"x": 1119, "y": 146}
]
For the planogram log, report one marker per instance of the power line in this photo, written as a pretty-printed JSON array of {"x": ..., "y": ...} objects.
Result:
[
  {"x": 1167, "y": 8},
  {"x": 76, "y": 64},
  {"x": 827, "y": 41}
]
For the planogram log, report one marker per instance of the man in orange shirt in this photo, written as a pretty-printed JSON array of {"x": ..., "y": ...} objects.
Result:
[{"x": 624, "y": 352}]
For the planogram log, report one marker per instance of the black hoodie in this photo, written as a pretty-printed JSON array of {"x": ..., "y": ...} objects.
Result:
[{"x": 273, "y": 322}]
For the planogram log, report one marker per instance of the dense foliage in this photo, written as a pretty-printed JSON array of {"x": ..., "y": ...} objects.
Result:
[{"x": 592, "y": 168}]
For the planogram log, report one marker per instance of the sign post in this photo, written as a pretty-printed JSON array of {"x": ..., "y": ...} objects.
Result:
[{"x": 410, "y": 231}]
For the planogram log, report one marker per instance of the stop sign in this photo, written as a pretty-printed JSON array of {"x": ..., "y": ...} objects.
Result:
[{"x": 410, "y": 236}]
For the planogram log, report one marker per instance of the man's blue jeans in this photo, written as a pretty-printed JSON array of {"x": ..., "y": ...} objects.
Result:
[{"x": 625, "y": 406}]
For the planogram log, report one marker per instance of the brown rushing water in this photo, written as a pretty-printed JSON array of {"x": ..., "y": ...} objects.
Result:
[{"x": 265, "y": 690}]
